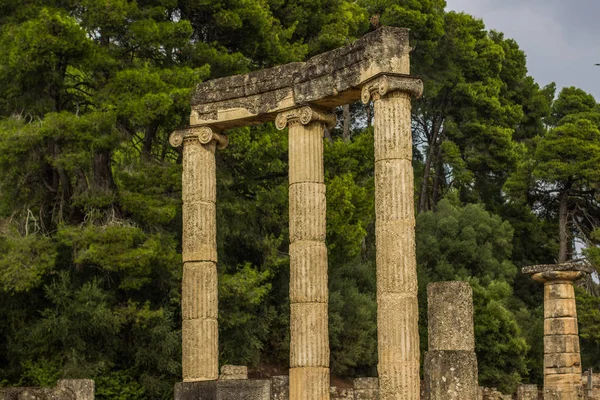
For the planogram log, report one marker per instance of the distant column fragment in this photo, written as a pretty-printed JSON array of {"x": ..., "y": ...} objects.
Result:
[
  {"x": 450, "y": 364},
  {"x": 309, "y": 333},
  {"x": 562, "y": 361},
  {"x": 199, "y": 304}
]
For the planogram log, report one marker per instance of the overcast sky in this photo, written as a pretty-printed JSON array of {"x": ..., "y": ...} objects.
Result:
[{"x": 561, "y": 38}]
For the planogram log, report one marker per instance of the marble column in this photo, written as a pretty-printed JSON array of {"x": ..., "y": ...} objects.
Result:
[
  {"x": 562, "y": 361},
  {"x": 309, "y": 333},
  {"x": 450, "y": 366},
  {"x": 199, "y": 303},
  {"x": 397, "y": 309}
]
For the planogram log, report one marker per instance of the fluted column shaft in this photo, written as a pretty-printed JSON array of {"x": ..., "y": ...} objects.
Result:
[
  {"x": 199, "y": 303},
  {"x": 397, "y": 308},
  {"x": 309, "y": 339}
]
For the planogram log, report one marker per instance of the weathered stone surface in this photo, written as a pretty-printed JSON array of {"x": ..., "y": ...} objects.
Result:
[
  {"x": 309, "y": 333},
  {"x": 200, "y": 390},
  {"x": 397, "y": 311},
  {"x": 329, "y": 80},
  {"x": 37, "y": 394},
  {"x": 527, "y": 392},
  {"x": 309, "y": 383},
  {"x": 244, "y": 390},
  {"x": 366, "y": 389},
  {"x": 229, "y": 372},
  {"x": 199, "y": 305},
  {"x": 84, "y": 389},
  {"x": 450, "y": 367},
  {"x": 280, "y": 387},
  {"x": 450, "y": 375},
  {"x": 341, "y": 393},
  {"x": 562, "y": 361},
  {"x": 366, "y": 383},
  {"x": 492, "y": 394},
  {"x": 66, "y": 389},
  {"x": 450, "y": 310},
  {"x": 572, "y": 266}
]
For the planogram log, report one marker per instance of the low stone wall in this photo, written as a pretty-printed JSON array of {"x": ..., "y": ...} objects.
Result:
[
  {"x": 592, "y": 393},
  {"x": 66, "y": 389}
]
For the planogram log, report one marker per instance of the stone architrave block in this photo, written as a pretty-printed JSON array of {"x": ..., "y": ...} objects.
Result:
[
  {"x": 244, "y": 390},
  {"x": 234, "y": 372},
  {"x": 82, "y": 388},
  {"x": 280, "y": 387}
]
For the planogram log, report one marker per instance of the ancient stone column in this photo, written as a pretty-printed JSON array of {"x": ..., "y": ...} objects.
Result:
[
  {"x": 309, "y": 339},
  {"x": 397, "y": 309},
  {"x": 562, "y": 361},
  {"x": 199, "y": 307},
  {"x": 450, "y": 364}
]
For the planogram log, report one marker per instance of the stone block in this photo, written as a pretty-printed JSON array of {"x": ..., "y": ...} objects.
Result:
[
  {"x": 561, "y": 344},
  {"x": 244, "y": 390},
  {"x": 83, "y": 389},
  {"x": 527, "y": 392},
  {"x": 450, "y": 375},
  {"x": 202, "y": 390},
  {"x": 366, "y": 383},
  {"x": 336, "y": 393},
  {"x": 37, "y": 394},
  {"x": 450, "y": 310},
  {"x": 234, "y": 372},
  {"x": 280, "y": 387}
]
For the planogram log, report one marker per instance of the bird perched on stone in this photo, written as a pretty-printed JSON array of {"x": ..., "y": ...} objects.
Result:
[{"x": 374, "y": 20}]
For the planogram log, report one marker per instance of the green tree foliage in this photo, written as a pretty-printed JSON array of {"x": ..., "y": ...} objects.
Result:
[
  {"x": 467, "y": 243},
  {"x": 90, "y": 189}
]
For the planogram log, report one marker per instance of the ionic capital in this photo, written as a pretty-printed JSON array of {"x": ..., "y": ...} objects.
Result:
[
  {"x": 305, "y": 115},
  {"x": 383, "y": 84},
  {"x": 204, "y": 134}
]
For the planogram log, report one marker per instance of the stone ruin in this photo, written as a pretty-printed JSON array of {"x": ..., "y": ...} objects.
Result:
[
  {"x": 300, "y": 97},
  {"x": 66, "y": 389},
  {"x": 562, "y": 361},
  {"x": 450, "y": 366}
]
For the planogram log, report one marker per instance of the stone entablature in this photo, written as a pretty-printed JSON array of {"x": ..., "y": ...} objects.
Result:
[{"x": 327, "y": 80}]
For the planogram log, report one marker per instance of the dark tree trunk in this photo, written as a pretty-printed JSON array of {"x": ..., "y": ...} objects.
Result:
[
  {"x": 346, "y": 134},
  {"x": 437, "y": 180},
  {"x": 103, "y": 178},
  {"x": 431, "y": 152},
  {"x": 563, "y": 224},
  {"x": 148, "y": 141}
]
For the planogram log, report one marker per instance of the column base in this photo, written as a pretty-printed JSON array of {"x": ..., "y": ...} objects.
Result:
[{"x": 202, "y": 390}]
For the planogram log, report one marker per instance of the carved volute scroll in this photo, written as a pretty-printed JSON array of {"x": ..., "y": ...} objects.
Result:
[
  {"x": 305, "y": 115},
  {"x": 204, "y": 134},
  {"x": 384, "y": 84}
]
